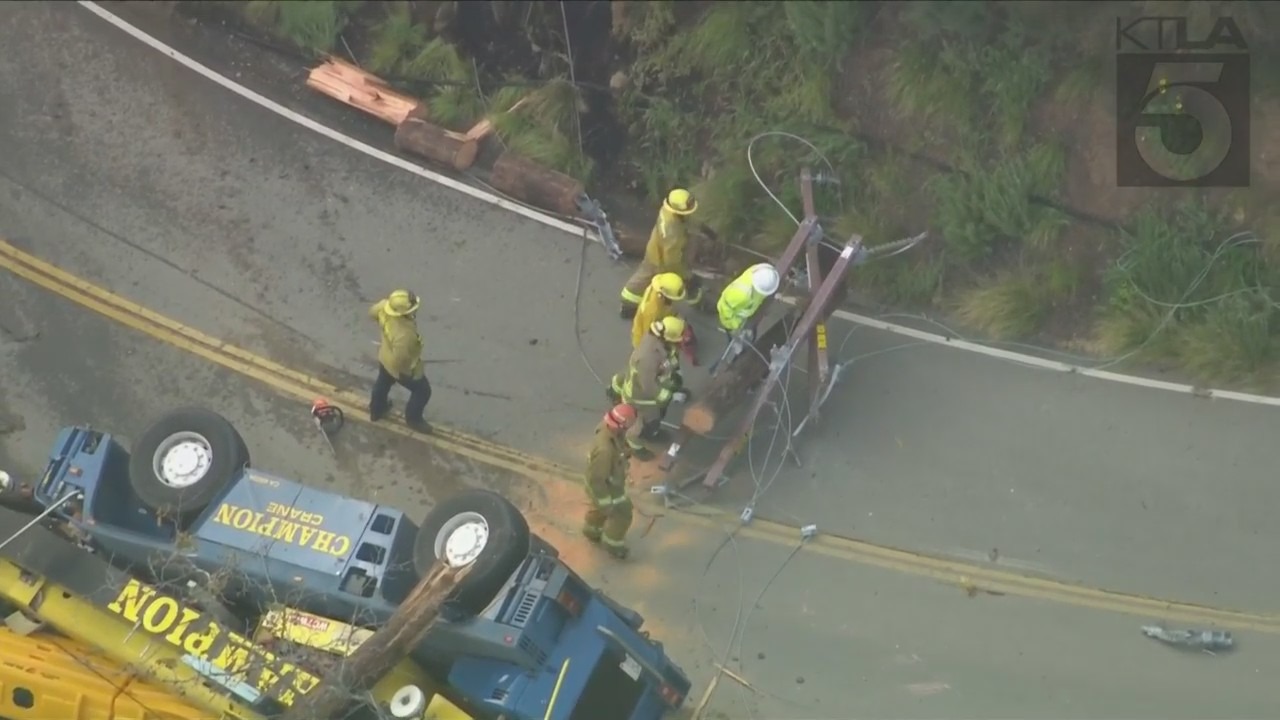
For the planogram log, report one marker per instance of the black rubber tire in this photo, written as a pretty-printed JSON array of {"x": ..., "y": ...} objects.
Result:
[
  {"x": 230, "y": 456},
  {"x": 508, "y": 546}
]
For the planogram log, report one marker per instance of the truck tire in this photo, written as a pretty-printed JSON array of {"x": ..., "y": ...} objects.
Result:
[
  {"x": 479, "y": 528},
  {"x": 185, "y": 460}
]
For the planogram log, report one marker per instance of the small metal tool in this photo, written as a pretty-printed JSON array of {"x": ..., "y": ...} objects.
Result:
[{"x": 329, "y": 419}]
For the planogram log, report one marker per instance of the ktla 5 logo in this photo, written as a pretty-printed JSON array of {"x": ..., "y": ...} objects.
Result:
[{"x": 1182, "y": 117}]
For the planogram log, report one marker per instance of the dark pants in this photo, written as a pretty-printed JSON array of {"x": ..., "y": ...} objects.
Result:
[{"x": 419, "y": 395}]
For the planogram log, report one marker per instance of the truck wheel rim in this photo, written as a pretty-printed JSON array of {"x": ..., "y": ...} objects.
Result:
[
  {"x": 182, "y": 460},
  {"x": 462, "y": 539}
]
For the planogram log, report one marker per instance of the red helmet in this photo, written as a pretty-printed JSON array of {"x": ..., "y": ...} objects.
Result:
[{"x": 620, "y": 417}]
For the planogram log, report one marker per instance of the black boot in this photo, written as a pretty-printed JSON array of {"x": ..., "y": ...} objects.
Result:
[
  {"x": 627, "y": 311},
  {"x": 653, "y": 432}
]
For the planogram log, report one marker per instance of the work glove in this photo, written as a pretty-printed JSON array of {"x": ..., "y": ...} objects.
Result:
[
  {"x": 680, "y": 397},
  {"x": 693, "y": 290},
  {"x": 747, "y": 334}
]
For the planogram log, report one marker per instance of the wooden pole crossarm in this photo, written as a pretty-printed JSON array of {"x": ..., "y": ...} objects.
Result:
[{"x": 781, "y": 357}]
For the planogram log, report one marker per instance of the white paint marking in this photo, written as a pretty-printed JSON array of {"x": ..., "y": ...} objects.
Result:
[
  {"x": 328, "y": 132},
  {"x": 577, "y": 231}
]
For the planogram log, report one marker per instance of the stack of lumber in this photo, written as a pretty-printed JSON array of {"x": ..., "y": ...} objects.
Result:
[{"x": 349, "y": 84}]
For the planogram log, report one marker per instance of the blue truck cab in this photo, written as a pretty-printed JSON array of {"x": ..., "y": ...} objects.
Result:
[{"x": 521, "y": 637}]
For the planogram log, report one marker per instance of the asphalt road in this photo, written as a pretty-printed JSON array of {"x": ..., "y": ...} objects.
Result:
[{"x": 127, "y": 170}]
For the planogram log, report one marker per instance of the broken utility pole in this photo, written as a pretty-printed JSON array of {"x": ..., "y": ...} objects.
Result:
[
  {"x": 344, "y": 686},
  {"x": 779, "y": 358},
  {"x": 760, "y": 369}
]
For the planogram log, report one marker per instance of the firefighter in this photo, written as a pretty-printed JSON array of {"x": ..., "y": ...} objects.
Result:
[
  {"x": 400, "y": 359},
  {"x": 743, "y": 297},
  {"x": 663, "y": 292},
  {"x": 609, "y": 516},
  {"x": 664, "y": 252},
  {"x": 651, "y": 382}
]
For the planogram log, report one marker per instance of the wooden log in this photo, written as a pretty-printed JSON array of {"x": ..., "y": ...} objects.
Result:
[
  {"x": 543, "y": 187},
  {"x": 416, "y": 135},
  {"x": 352, "y": 86},
  {"x": 347, "y": 682},
  {"x": 728, "y": 387}
]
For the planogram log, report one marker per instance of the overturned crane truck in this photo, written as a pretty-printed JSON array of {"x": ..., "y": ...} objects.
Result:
[{"x": 237, "y": 590}]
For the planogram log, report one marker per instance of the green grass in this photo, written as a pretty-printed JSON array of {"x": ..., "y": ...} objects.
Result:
[
  {"x": 1014, "y": 74},
  {"x": 456, "y": 107},
  {"x": 309, "y": 24},
  {"x": 912, "y": 280},
  {"x": 437, "y": 61},
  {"x": 720, "y": 201},
  {"x": 825, "y": 31},
  {"x": 722, "y": 42},
  {"x": 1233, "y": 342},
  {"x": 932, "y": 85},
  {"x": 395, "y": 39},
  {"x": 543, "y": 128},
  {"x": 755, "y": 67},
  {"x": 1013, "y": 304},
  {"x": 1180, "y": 293},
  {"x": 991, "y": 206}
]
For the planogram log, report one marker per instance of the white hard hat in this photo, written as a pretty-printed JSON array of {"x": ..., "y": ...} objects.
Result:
[{"x": 764, "y": 278}]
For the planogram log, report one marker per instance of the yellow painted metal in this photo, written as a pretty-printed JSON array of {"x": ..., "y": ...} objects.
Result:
[
  {"x": 81, "y": 620},
  {"x": 44, "y": 676}
]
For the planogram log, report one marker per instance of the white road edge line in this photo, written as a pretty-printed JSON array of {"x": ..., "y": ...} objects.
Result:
[
  {"x": 577, "y": 231},
  {"x": 328, "y": 132}
]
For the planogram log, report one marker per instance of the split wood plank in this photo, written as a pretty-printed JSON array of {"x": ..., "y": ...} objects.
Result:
[
  {"x": 352, "y": 86},
  {"x": 484, "y": 128}
]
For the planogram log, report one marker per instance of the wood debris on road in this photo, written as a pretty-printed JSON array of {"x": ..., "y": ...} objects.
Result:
[{"x": 349, "y": 84}]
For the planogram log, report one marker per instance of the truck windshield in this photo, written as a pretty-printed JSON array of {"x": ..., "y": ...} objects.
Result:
[{"x": 611, "y": 691}]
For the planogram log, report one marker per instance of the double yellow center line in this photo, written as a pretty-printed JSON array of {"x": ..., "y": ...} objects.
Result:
[
  {"x": 286, "y": 380},
  {"x": 969, "y": 577}
]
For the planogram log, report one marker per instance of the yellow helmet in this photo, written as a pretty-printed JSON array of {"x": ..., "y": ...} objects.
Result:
[
  {"x": 681, "y": 202},
  {"x": 670, "y": 328},
  {"x": 401, "y": 302},
  {"x": 669, "y": 285}
]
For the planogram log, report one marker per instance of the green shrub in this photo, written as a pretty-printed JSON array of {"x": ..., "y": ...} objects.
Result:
[
  {"x": 311, "y": 24},
  {"x": 1014, "y": 74},
  {"x": 825, "y": 31},
  {"x": 912, "y": 279},
  {"x": 720, "y": 201},
  {"x": 543, "y": 129},
  {"x": 753, "y": 66},
  {"x": 1010, "y": 306},
  {"x": 1184, "y": 291},
  {"x": 935, "y": 85},
  {"x": 1234, "y": 341},
  {"x": 991, "y": 207},
  {"x": 658, "y": 142},
  {"x": 395, "y": 39},
  {"x": 438, "y": 61}
]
